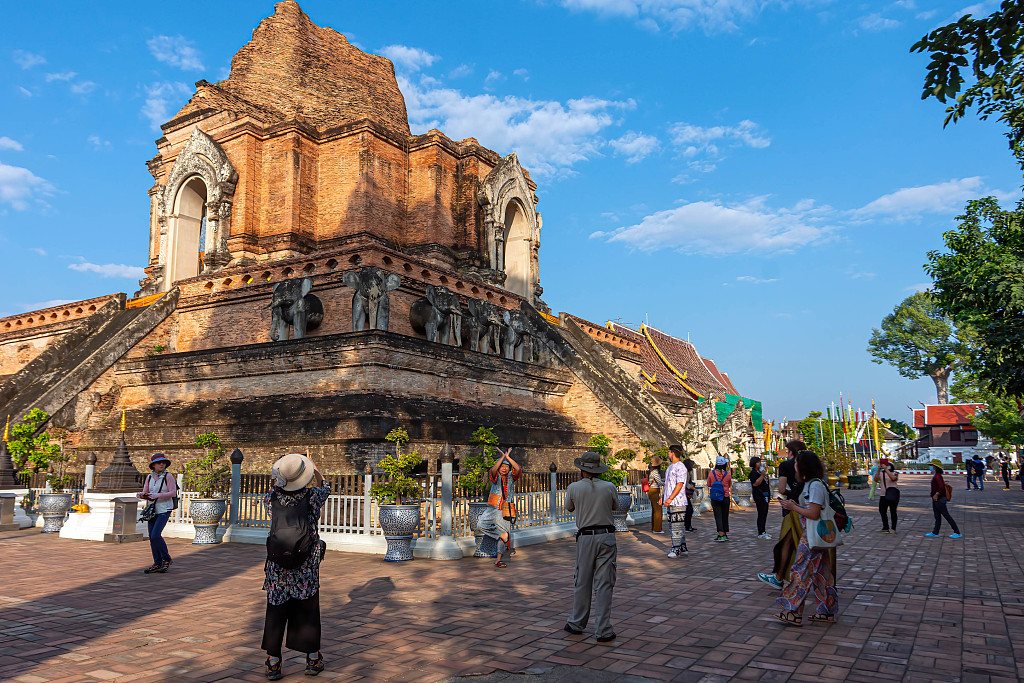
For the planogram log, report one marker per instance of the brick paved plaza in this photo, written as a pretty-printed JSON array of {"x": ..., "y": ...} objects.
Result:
[{"x": 912, "y": 608}]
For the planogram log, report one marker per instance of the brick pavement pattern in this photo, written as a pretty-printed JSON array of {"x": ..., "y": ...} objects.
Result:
[{"x": 912, "y": 608}]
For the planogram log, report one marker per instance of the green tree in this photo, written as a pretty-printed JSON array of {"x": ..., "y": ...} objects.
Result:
[
  {"x": 1001, "y": 419},
  {"x": 979, "y": 281},
  {"x": 918, "y": 339},
  {"x": 900, "y": 428},
  {"x": 988, "y": 51},
  {"x": 29, "y": 447},
  {"x": 399, "y": 485},
  {"x": 206, "y": 474},
  {"x": 474, "y": 469}
]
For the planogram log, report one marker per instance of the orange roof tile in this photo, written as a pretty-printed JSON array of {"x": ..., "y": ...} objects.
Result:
[
  {"x": 955, "y": 414},
  {"x": 919, "y": 418}
]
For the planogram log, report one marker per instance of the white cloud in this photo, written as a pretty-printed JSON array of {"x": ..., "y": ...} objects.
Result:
[
  {"x": 19, "y": 186},
  {"x": 461, "y": 71},
  {"x": 715, "y": 229},
  {"x": 919, "y": 287},
  {"x": 27, "y": 60},
  {"x": 910, "y": 203},
  {"x": 176, "y": 51},
  {"x": 160, "y": 97},
  {"x": 38, "y": 250},
  {"x": 25, "y": 91},
  {"x": 62, "y": 76},
  {"x": 83, "y": 88},
  {"x": 548, "y": 136},
  {"x": 634, "y": 146},
  {"x": 711, "y": 16},
  {"x": 97, "y": 142},
  {"x": 492, "y": 78},
  {"x": 876, "y": 22},
  {"x": 109, "y": 270},
  {"x": 522, "y": 73},
  {"x": 408, "y": 58},
  {"x": 694, "y": 140},
  {"x": 40, "y": 305},
  {"x": 8, "y": 143},
  {"x": 862, "y": 276},
  {"x": 750, "y": 279}
]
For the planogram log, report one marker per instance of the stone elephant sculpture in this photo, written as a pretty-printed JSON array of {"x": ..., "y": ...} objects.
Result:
[
  {"x": 485, "y": 325},
  {"x": 444, "y": 319},
  {"x": 517, "y": 336},
  {"x": 292, "y": 304},
  {"x": 371, "y": 304}
]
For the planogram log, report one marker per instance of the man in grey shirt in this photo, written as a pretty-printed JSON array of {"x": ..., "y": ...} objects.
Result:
[{"x": 593, "y": 500}]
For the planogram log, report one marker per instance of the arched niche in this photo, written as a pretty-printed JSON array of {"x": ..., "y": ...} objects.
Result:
[
  {"x": 516, "y": 243},
  {"x": 511, "y": 228},
  {"x": 186, "y": 232},
  {"x": 202, "y": 170}
]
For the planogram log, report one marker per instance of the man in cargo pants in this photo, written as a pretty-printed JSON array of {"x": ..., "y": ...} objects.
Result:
[{"x": 593, "y": 501}]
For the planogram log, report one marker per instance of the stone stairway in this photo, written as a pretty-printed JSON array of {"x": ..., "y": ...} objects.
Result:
[
  {"x": 76, "y": 360},
  {"x": 596, "y": 368}
]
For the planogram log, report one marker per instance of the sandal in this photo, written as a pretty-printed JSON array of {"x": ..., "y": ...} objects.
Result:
[
  {"x": 511, "y": 552},
  {"x": 790, "y": 618},
  {"x": 153, "y": 569},
  {"x": 823, "y": 618},
  {"x": 500, "y": 565}
]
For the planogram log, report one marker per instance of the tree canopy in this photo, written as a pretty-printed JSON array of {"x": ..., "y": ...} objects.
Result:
[
  {"x": 919, "y": 340},
  {"x": 988, "y": 50}
]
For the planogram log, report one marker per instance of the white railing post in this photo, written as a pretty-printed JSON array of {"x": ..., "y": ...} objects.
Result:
[
  {"x": 445, "y": 547},
  {"x": 179, "y": 514},
  {"x": 553, "y": 494},
  {"x": 236, "y": 485},
  {"x": 367, "y": 502},
  {"x": 90, "y": 471}
]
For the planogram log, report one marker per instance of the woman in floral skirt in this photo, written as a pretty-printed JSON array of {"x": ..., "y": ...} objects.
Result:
[
  {"x": 812, "y": 570},
  {"x": 293, "y": 595}
]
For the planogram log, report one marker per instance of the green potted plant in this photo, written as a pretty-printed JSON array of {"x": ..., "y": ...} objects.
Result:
[
  {"x": 741, "y": 487},
  {"x": 398, "y": 521},
  {"x": 474, "y": 479},
  {"x": 211, "y": 479},
  {"x": 34, "y": 450}
]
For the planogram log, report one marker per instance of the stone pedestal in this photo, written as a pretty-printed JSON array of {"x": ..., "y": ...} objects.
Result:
[
  {"x": 7, "y": 523},
  {"x": 96, "y": 524},
  {"x": 125, "y": 522},
  {"x": 21, "y": 518}
]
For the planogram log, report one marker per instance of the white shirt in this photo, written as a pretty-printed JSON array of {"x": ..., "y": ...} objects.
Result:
[{"x": 674, "y": 475}]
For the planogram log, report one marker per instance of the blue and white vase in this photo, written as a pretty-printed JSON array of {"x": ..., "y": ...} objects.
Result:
[
  {"x": 398, "y": 522},
  {"x": 206, "y": 514}
]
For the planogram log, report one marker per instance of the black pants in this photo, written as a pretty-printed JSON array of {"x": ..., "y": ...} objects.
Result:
[
  {"x": 302, "y": 619},
  {"x": 883, "y": 505},
  {"x": 1006, "y": 479},
  {"x": 940, "y": 511},
  {"x": 721, "y": 510},
  {"x": 762, "y": 512},
  {"x": 688, "y": 517}
]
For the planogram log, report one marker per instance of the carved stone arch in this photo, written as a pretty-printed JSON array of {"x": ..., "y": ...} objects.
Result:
[
  {"x": 505, "y": 196},
  {"x": 201, "y": 157}
]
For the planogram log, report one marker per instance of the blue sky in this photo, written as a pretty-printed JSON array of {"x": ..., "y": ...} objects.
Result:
[{"x": 759, "y": 176}]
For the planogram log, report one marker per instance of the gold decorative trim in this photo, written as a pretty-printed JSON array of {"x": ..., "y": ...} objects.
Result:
[{"x": 680, "y": 376}]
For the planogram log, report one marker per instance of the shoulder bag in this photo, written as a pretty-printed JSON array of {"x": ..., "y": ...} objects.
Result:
[
  {"x": 892, "y": 493},
  {"x": 822, "y": 532},
  {"x": 148, "y": 513}
]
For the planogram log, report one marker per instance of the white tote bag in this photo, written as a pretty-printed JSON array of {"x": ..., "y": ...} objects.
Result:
[{"x": 822, "y": 532}]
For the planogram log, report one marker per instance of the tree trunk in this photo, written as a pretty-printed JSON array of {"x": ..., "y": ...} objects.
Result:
[{"x": 941, "y": 379}]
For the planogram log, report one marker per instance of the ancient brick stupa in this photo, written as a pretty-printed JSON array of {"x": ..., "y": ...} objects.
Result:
[{"x": 292, "y": 200}]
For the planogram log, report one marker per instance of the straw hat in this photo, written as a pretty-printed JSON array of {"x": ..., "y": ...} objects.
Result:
[
  {"x": 936, "y": 463},
  {"x": 292, "y": 472}
]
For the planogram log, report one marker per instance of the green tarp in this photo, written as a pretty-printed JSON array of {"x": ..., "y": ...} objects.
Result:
[{"x": 723, "y": 408}]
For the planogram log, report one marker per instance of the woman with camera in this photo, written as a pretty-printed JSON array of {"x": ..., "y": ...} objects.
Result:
[{"x": 160, "y": 489}]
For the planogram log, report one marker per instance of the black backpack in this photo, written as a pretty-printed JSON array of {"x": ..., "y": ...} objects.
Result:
[{"x": 291, "y": 539}]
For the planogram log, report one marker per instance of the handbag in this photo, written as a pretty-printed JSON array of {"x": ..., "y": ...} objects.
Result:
[
  {"x": 892, "y": 493},
  {"x": 509, "y": 511},
  {"x": 148, "y": 513},
  {"x": 823, "y": 532},
  {"x": 645, "y": 485}
]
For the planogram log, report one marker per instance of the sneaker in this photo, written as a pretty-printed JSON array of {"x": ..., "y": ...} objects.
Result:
[
  {"x": 673, "y": 554},
  {"x": 154, "y": 568},
  {"x": 569, "y": 629},
  {"x": 765, "y": 537},
  {"x": 769, "y": 579},
  {"x": 682, "y": 549},
  {"x": 605, "y": 639},
  {"x": 690, "y": 528},
  {"x": 931, "y": 535},
  {"x": 274, "y": 669},
  {"x": 956, "y": 535},
  {"x": 883, "y": 531},
  {"x": 657, "y": 532},
  {"x": 314, "y": 665}
]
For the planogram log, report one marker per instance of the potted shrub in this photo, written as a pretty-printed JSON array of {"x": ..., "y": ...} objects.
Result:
[
  {"x": 35, "y": 450},
  {"x": 398, "y": 521},
  {"x": 741, "y": 487},
  {"x": 211, "y": 479},
  {"x": 475, "y": 481},
  {"x": 616, "y": 474}
]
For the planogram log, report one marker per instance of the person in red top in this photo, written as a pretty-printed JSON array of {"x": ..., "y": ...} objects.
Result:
[
  {"x": 498, "y": 518},
  {"x": 939, "y": 502}
]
